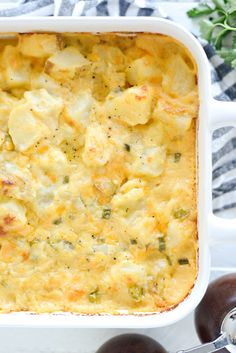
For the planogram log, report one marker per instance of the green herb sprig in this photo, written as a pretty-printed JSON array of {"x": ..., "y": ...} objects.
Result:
[{"x": 218, "y": 23}]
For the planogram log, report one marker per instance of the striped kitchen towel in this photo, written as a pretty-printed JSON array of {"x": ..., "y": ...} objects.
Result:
[
  {"x": 223, "y": 79},
  {"x": 26, "y": 8}
]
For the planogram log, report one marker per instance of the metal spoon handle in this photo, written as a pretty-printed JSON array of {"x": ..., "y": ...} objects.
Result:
[{"x": 213, "y": 346}]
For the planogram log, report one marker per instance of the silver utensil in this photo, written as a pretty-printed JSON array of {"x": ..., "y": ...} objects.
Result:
[{"x": 227, "y": 339}]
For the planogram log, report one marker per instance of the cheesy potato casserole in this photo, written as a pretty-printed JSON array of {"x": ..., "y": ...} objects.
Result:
[{"x": 97, "y": 173}]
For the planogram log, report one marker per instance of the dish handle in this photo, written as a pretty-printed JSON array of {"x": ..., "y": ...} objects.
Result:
[{"x": 222, "y": 114}]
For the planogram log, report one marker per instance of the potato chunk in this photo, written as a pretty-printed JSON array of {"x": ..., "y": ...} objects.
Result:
[
  {"x": 129, "y": 199},
  {"x": 16, "y": 68},
  {"x": 133, "y": 106},
  {"x": 12, "y": 217},
  {"x": 96, "y": 150},
  {"x": 143, "y": 70},
  {"x": 148, "y": 162},
  {"x": 176, "y": 118},
  {"x": 46, "y": 107},
  {"x": 25, "y": 129},
  {"x": 65, "y": 63},
  {"x": 42, "y": 80},
  {"x": 179, "y": 79},
  {"x": 16, "y": 181},
  {"x": 39, "y": 45},
  {"x": 6, "y": 103},
  {"x": 77, "y": 112},
  {"x": 52, "y": 162}
]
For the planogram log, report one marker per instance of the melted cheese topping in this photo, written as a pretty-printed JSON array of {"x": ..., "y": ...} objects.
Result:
[{"x": 97, "y": 173}]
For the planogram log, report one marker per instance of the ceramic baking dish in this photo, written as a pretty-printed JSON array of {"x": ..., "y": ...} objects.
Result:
[{"x": 212, "y": 114}]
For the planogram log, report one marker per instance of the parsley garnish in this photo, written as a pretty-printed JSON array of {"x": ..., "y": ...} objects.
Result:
[
  {"x": 202, "y": 9},
  {"x": 220, "y": 24}
]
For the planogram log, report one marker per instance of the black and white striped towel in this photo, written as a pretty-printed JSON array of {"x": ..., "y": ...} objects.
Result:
[{"x": 223, "y": 79}]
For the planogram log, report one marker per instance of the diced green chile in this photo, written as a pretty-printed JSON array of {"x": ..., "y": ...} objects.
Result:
[
  {"x": 127, "y": 147},
  {"x": 162, "y": 244},
  {"x": 57, "y": 221},
  {"x": 181, "y": 213},
  {"x": 66, "y": 179},
  {"x": 68, "y": 245},
  {"x": 169, "y": 260},
  {"x": 106, "y": 213},
  {"x": 94, "y": 296},
  {"x": 183, "y": 261},
  {"x": 136, "y": 293},
  {"x": 177, "y": 157}
]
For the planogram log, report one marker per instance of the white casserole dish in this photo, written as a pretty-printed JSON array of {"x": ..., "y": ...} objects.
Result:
[{"x": 212, "y": 114}]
